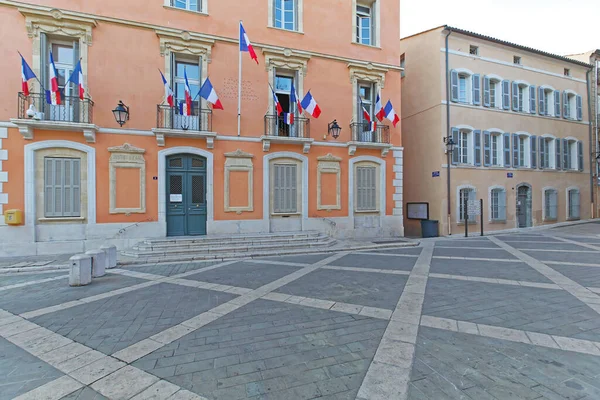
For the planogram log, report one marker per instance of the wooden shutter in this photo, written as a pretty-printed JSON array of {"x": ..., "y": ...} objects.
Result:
[
  {"x": 285, "y": 188},
  {"x": 49, "y": 187},
  {"x": 542, "y": 100},
  {"x": 366, "y": 188},
  {"x": 515, "y": 140},
  {"x": 565, "y": 113},
  {"x": 580, "y": 155},
  {"x": 476, "y": 80},
  {"x": 486, "y": 91},
  {"x": 502, "y": 205},
  {"x": 566, "y": 156},
  {"x": 487, "y": 157},
  {"x": 506, "y": 149},
  {"x": 557, "y": 104},
  {"x": 553, "y": 204},
  {"x": 62, "y": 187},
  {"x": 542, "y": 147},
  {"x": 532, "y": 101},
  {"x": 515, "y": 96},
  {"x": 477, "y": 140},
  {"x": 579, "y": 108},
  {"x": 455, "y": 153},
  {"x": 454, "y": 86},
  {"x": 557, "y": 154},
  {"x": 506, "y": 94},
  {"x": 533, "y": 147}
]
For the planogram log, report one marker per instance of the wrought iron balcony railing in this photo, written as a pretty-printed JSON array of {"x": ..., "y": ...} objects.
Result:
[
  {"x": 168, "y": 117},
  {"x": 361, "y": 132},
  {"x": 71, "y": 109},
  {"x": 276, "y": 126}
]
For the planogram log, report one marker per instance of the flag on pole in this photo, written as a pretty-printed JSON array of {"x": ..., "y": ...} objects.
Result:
[
  {"x": 366, "y": 114},
  {"x": 294, "y": 98},
  {"x": 372, "y": 126},
  {"x": 379, "y": 113},
  {"x": 186, "y": 109},
  {"x": 276, "y": 102},
  {"x": 53, "y": 95},
  {"x": 245, "y": 44},
  {"x": 391, "y": 114},
  {"x": 288, "y": 118},
  {"x": 310, "y": 105},
  {"x": 26, "y": 75},
  {"x": 168, "y": 92},
  {"x": 207, "y": 92},
  {"x": 77, "y": 78}
]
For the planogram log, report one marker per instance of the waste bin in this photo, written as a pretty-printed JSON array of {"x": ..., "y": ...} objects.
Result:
[{"x": 429, "y": 228}]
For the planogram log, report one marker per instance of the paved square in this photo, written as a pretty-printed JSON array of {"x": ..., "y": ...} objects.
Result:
[
  {"x": 586, "y": 276},
  {"x": 488, "y": 269},
  {"x": 403, "y": 250},
  {"x": 306, "y": 259},
  {"x": 14, "y": 279},
  {"x": 466, "y": 243},
  {"x": 172, "y": 269},
  {"x": 473, "y": 253},
  {"x": 244, "y": 274},
  {"x": 358, "y": 260},
  {"x": 589, "y": 257}
]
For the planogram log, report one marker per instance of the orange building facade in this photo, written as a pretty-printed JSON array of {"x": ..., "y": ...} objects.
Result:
[{"x": 80, "y": 180}]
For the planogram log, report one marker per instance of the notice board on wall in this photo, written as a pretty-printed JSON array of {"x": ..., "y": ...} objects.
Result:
[{"x": 417, "y": 210}]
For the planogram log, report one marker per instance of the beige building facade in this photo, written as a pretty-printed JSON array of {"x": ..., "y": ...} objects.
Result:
[{"x": 520, "y": 125}]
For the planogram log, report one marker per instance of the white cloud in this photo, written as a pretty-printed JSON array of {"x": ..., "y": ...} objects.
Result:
[{"x": 556, "y": 26}]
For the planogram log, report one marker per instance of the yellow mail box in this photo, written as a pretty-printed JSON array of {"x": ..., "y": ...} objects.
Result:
[{"x": 13, "y": 217}]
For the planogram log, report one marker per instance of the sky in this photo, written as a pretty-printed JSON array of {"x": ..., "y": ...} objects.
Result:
[{"x": 555, "y": 26}]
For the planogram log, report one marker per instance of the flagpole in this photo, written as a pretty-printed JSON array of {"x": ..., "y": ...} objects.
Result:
[{"x": 239, "y": 116}]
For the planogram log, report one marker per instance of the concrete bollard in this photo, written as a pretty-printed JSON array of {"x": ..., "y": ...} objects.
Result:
[
  {"x": 81, "y": 270},
  {"x": 111, "y": 255},
  {"x": 98, "y": 262}
]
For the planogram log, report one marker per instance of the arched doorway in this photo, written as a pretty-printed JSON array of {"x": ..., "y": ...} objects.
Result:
[
  {"x": 186, "y": 204},
  {"x": 524, "y": 219}
]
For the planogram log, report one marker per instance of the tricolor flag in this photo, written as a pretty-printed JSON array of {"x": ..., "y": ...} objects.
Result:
[
  {"x": 276, "y": 102},
  {"x": 77, "y": 78},
  {"x": 186, "y": 108},
  {"x": 208, "y": 93},
  {"x": 168, "y": 92},
  {"x": 288, "y": 118},
  {"x": 26, "y": 75},
  {"x": 53, "y": 95},
  {"x": 391, "y": 114},
  {"x": 310, "y": 105},
  {"x": 245, "y": 44},
  {"x": 379, "y": 113},
  {"x": 294, "y": 98},
  {"x": 366, "y": 114},
  {"x": 372, "y": 126}
]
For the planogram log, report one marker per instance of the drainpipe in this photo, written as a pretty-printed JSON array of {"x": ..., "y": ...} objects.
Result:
[
  {"x": 596, "y": 113},
  {"x": 448, "y": 134},
  {"x": 592, "y": 158}
]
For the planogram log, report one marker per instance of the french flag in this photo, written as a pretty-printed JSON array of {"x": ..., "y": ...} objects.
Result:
[
  {"x": 391, "y": 114},
  {"x": 169, "y": 97},
  {"x": 366, "y": 114},
  {"x": 288, "y": 118},
  {"x": 379, "y": 113},
  {"x": 53, "y": 95},
  {"x": 186, "y": 109},
  {"x": 277, "y": 103},
  {"x": 26, "y": 75},
  {"x": 207, "y": 92},
  {"x": 294, "y": 98},
  {"x": 372, "y": 126},
  {"x": 310, "y": 105},
  {"x": 77, "y": 78},
  {"x": 245, "y": 44}
]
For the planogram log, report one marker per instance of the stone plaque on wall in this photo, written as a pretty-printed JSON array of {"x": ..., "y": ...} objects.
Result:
[{"x": 127, "y": 188}]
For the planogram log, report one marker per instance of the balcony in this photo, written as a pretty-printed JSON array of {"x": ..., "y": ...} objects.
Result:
[
  {"x": 73, "y": 114},
  {"x": 363, "y": 137},
  {"x": 171, "y": 123},
  {"x": 278, "y": 131}
]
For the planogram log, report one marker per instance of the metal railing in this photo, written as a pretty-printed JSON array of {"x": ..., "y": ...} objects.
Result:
[
  {"x": 361, "y": 132},
  {"x": 71, "y": 109},
  {"x": 276, "y": 126},
  {"x": 168, "y": 117}
]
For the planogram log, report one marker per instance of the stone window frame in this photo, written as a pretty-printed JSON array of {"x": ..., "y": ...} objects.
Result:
[
  {"x": 329, "y": 164},
  {"x": 365, "y": 73},
  {"x": 299, "y": 17},
  {"x": 285, "y": 60},
  {"x": 375, "y": 21},
  {"x": 131, "y": 157},
  {"x": 239, "y": 161}
]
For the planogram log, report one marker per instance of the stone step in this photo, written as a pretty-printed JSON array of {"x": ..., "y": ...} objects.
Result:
[{"x": 234, "y": 238}]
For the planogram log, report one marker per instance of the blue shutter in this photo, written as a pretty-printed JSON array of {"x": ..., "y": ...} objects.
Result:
[
  {"x": 487, "y": 159},
  {"x": 542, "y": 100},
  {"x": 502, "y": 205},
  {"x": 506, "y": 137},
  {"x": 557, "y": 104},
  {"x": 515, "y": 140},
  {"x": 454, "y": 86},
  {"x": 557, "y": 153},
  {"x": 580, "y": 155},
  {"x": 579, "y": 108},
  {"x": 486, "y": 91},
  {"x": 476, "y": 79},
  {"x": 506, "y": 94},
  {"x": 455, "y": 140},
  {"x": 477, "y": 135},
  {"x": 542, "y": 152},
  {"x": 515, "y": 96},
  {"x": 566, "y": 156},
  {"x": 533, "y": 146},
  {"x": 565, "y": 102},
  {"x": 532, "y": 99}
]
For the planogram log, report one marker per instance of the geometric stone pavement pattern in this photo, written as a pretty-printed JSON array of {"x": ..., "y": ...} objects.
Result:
[{"x": 500, "y": 318}]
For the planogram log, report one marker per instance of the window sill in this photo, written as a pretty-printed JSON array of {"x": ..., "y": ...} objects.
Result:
[
  {"x": 61, "y": 219},
  {"x": 285, "y": 30},
  {"x": 185, "y": 10},
  {"x": 550, "y": 220},
  {"x": 367, "y": 45},
  {"x": 366, "y": 211},
  {"x": 498, "y": 221},
  {"x": 285, "y": 214}
]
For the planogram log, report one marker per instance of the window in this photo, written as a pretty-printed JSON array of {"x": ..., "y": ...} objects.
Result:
[
  {"x": 547, "y": 153},
  {"x": 403, "y": 65},
  {"x": 497, "y": 149},
  {"x": 286, "y": 14},
  {"x": 521, "y": 151},
  {"x": 462, "y": 88},
  {"x": 550, "y": 205},
  {"x": 62, "y": 192},
  {"x": 64, "y": 54},
  {"x": 498, "y": 204},
  {"x": 567, "y": 72},
  {"x": 572, "y": 106},
  {"x": 465, "y": 194},
  {"x": 517, "y": 60},
  {"x": 523, "y": 98},
  {"x": 473, "y": 50},
  {"x": 285, "y": 196},
  {"x": 364, "y": 25},
  {"x": 573, "y": 203},
  {"x": 495, "y": 94},
  {"x": 192, "y": 5},
  {"x": 366, "y": 188},
  {"x": 547, "y": 102},
  {"x": 191, "y": 67},
  {"x": 461, "y": 83},
  {"x": 366, "y": 92},
  {"x": 568, "y": 105},
  {"x": 571, "y": 159},
  {"x": 464, "y": 147}
]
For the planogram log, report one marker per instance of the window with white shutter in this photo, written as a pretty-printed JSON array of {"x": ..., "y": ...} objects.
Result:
[
  {"x": 285, "y": 190},
  {"x": 62, "y": 187},
  {"x": 366, "y": 188}
]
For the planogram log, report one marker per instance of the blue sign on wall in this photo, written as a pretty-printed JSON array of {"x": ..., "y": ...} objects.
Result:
[
  {"x": 509, "y": 174},
  {"x": 435, "y": 174}
]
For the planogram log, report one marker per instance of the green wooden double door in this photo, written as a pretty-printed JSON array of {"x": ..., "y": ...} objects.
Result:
[{"x": 186, "y": 195}]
